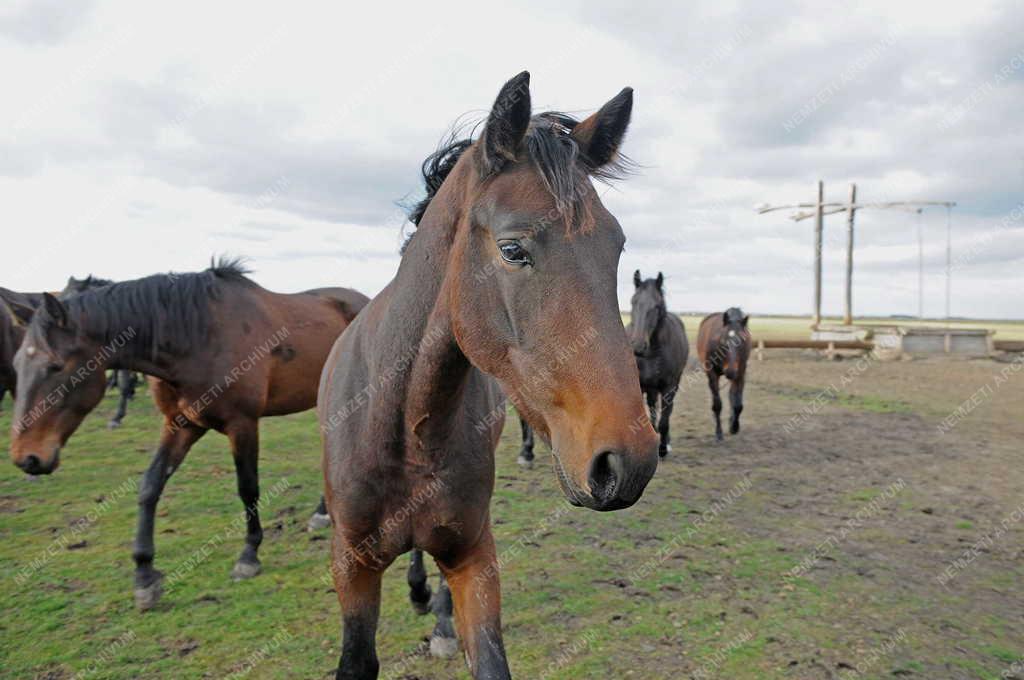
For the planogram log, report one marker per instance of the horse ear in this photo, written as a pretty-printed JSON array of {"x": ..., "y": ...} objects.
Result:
[
  {"x": 745, "y": 320},
  {"x": 661, "y": 280},
  {"x": 600, "y": 135},
  {"x": 55, "y": 311},
  {"x": 636, "y": 278},
  {"x": 20, "y": 314},
  {"x": 725, "y": 318},
  {"x": 507, "y": 123}
]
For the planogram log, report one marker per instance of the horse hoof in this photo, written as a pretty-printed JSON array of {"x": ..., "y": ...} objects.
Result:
[
  {"x": 421, "y": 608},
  {"x": 244, "y": 570},
  {"x": 719, "y": 436},
  {"x": 318, "y": 521},
  {"x": 443, "y": 647},
  {"x": 113, "y": 424},
  {"x": 665, "y": 451},
  {"x": 146, "y": 597},
  {"x": 525, "y": 462}
]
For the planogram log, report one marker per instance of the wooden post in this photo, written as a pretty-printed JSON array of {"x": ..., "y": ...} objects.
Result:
[
  {"x": 848, "y": 311},
  {"x": 949, "y": 257},
  {"x": 819, "y": 220}
]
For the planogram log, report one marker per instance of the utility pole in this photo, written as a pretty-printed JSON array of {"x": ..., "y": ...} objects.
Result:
[
  {"x": 850, "y": 212},
  {"x": 819, "y": 227},
  {"x": 949, "y": 259},
  {"x": 821, "y": 208},
  {"x": 920, "y": 267}
]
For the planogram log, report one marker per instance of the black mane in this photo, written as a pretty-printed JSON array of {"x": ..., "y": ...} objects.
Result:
[
  {"x": 733, "y": 315},
  {"x": 554, "y": 153},
  {"x": 163, "y": 312}
]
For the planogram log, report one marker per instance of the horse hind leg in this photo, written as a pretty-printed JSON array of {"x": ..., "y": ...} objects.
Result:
[
  {"x": 443, "y": 643},
  {"x": 526, "y": 453},
  {"x": 667, "y": 400},
  {"x": 245, "y": 449},
  {"x": 652, "y": 406},
  {"x": 419, "y": 589},
  {"x": 319, "y": 519},
  {"x": 127, "y": 389}
]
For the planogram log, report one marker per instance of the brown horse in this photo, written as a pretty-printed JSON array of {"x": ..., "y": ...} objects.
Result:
[
  {"x": 507, "y": 284},
  {"x": 16, "y": 310},
  {"x": 224, "y": 351},
  {"x": 723, "y": 345}
]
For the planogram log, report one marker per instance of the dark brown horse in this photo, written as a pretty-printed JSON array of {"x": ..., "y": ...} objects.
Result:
[
  {"x": 723, "y": 345},
  {"x": 225, "y": 353},
  {"x": 16, "y": 310},
  {"x": 125, "y": 381},
  {"x": 659, "y": 343},
  {"x": 508, "y": 284}
]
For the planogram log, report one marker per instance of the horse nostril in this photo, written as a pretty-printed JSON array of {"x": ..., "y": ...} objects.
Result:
[
  {"x": 606, "y": 472},
  {"x": 30, "y": 463}
]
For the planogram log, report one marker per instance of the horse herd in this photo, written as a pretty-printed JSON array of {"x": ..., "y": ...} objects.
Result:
[{"x": 506, "y": 292}]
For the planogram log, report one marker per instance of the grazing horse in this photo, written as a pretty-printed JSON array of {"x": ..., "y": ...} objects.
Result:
[
  {"x": 507, "y": 286},
  {"x": 124, "y": 381},
  {"x": 16, "y": 310},
  {"x": 225, "y": 352},
  {"x": 723, "y": 345},
  {"x": 661, "y": 349}
]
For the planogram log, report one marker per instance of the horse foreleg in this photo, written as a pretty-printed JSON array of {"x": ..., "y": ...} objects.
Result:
[
  {"x": 716, "y": 403},
  {"x": 475, "y": 586},
  {"x": 526, "y": 453},
  {"x": 174, "y": 446},
  {"x": 443, "y": 643},
  {"x": 245, "y": 446},
  {"x": 319, "y": 519},
  {"x": 358, "y": 588},
  {"x": 667, "y": 398},
  {"x": 736, "y": 400},
  {"x": 419, "y": 589}
]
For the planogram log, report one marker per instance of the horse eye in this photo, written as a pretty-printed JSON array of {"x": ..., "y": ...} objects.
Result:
[
  {"x": 54, "y": 368},
  {"x": 514, "y": 253}
]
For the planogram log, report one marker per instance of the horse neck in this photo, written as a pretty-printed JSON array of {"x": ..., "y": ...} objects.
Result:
[
  {"x": 421, "y": 320},
  {"x": 125, "y": 350}
]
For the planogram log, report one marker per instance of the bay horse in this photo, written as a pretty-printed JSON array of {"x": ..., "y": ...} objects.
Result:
[
  {"x": 661, "y": 349},
  {"x": 125, "y": 381},
  {"x": 224, "y": 353},
  {"x": 723, "y": 345},
  {"x": 507, "y": 285},
  {"x": 16, "y": 310}
]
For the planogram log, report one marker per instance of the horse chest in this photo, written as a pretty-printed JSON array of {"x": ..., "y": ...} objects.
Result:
[{"x": 650, "y": 369}]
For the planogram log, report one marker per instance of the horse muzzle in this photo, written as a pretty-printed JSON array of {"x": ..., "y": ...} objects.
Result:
[{"x": 32, "y": 464}]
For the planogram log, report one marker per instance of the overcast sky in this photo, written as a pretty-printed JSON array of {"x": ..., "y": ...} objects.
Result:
[{"x": 145, "y": 137}]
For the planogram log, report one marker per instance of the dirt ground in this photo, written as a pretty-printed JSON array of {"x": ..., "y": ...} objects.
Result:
[{"x": 858, "y": 470}]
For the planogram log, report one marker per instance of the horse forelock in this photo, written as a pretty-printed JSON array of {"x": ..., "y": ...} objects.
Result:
[{"x": 551, "y": 151}]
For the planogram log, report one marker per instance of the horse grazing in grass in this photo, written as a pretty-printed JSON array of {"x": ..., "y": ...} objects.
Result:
[
  {"x": 16, "y": 310},
  {"x": 723, "y": 345},
  {"x": 225, "y": 353},
  {"x": 507, "y": 285},
  {"x": 124, "y": 381},
  {"x": 659, "y": 343}
]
